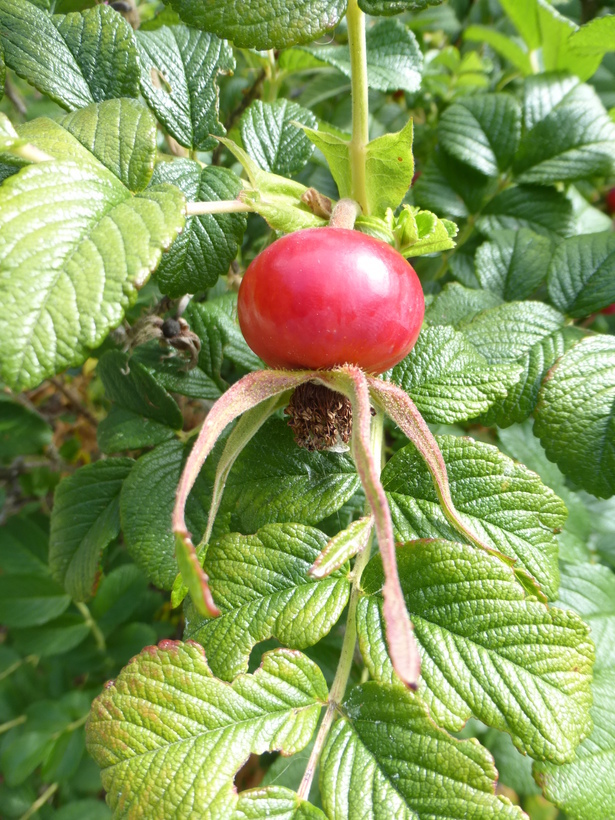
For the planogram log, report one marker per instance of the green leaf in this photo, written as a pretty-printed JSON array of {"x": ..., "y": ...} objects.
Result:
[
  {"x": 24, "y": 542},
  {"x": 421, "y": 232},
  {"x": 556, "y": 34},
  {"x": 525, "y": 18},
  {"x": 179, "y": 79},
  {"x": 263, "y": 24},
  {"x": 276, "y": 803},
  {"x": 146, "y": 505},
  {"x": 387, "y": 8},
  {"x": 582, "y": 274},
  {"x": 574, "y": 417},
  {"x": 594, "y": 39},
  {"x": 343, "y": 546},
  {"x": 122, "y": 430},
  {"x": 30, "y": 600},
  {"x": 542, "y": 210},
  {"x": 271, "y": 136},
  {"x": 261, "y": 584},
  {"x": 448, "y": 379},
  {"x": 277, "y": 199},
  {"x": 502, "y": 45},
  {"x": 170, "y": 372},
  {"x": 568, "y": 135},
  {"x": 531, "y": 334},
  {"x": 274, "y": 481},
  {"x": 386, "y": 757},
  {"x": 451, "y": 188},
  {"x": 106, "y": 129},
  {"x": 84, "y": 521},
  {"x": 456, "y": 305},
  {"x": 22, "y": 432},
  {"x": 504, "y": 503},
  {"x": 208, "y": 244},
  {"x": 482, "y": 131},
  {"x": 21, "y": 756},
  {"x": 55, "y": 637},
  {"x": 486, "y": 649},
  {"x": 168, "y": 736},
  {"x": 75, "y": 59},
  {"x": 584, "y": 789},
  {"x": 394, "y": 58},
  {"x": 389, "y": 165},
  {"x": 215, "y": 323},
  {"x": 514, "y": 263},
  {"x": 132, "y": 388},
  {"x": 80, "y": 279}
]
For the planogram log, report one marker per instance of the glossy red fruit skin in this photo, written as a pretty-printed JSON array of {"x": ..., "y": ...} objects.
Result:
[
  {"x": 610, "y": 201},
  {"x": 324, "y": 297}
]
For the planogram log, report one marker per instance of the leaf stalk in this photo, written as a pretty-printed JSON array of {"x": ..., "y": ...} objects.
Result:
[{"x": 360, "y": 103}]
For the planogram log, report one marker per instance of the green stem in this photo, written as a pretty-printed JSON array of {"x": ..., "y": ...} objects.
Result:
[
  {"x": 360, "y": 103},
  {"x": 38, "y": 804},
  {"x": 10, "y": 724},
  {"x": 33, "y": 659},
  {"x": 32, "y": 153},
  {"x": 232, "y": 206},
  {"x": 94, "y": 628},
  {"x": 344, "y": 667}
]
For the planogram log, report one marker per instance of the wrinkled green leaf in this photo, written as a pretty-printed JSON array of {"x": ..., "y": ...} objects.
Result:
[
  {"x": 385, "y": 756},
  {"x": 261, "y": 584},
  {"x": 451, "y": 188},
  {"x": 208, "y": 244},
  {"x": 448, "y": 379},
  {"x": 169, "y": 736},
  {"x": 575, "y": 420},
  {"x": 542, "y": 210},
  {"x": 456, "y": 305},
  {"x": 276, "y": 803},
  {"x": 486, "y": 650},
  {"x": 272, "y": 138},
  {"x": 394, "y": 58},
  {"x": 568, "y": 134},
  {"x": 505, "y": 504},
  {"x": 263, "y": 24},
  {"x": 514, "y": 263},
  {"x": 170, "y": 372},
  {"x": 146, "y": 505},
  {"x": 274, "y": 481},
  {"x": 22, "y": 432},
  {"x": 387, "y": 8},
  {"x": 531, "y": 334},
  {"x": 63, "y": 290},
  {"x": 75, "y": 59},
  {"x": 584, "y": 788},
  {"x": 482, "y": 131},
  {"x": 84, "y": 521},
  {"x": 180, "y": 67},
  {"x": 582, "y": 274}
]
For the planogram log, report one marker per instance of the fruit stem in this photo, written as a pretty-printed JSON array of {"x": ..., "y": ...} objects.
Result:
[
  {"x": 345, "y": 214},
  {"x": 232, "y": 206},
  {"x": 360, "y": 103},
  {"x": 344, "y": 667}
]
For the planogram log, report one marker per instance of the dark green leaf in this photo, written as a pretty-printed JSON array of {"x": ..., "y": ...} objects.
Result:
[
  {"x": 482, "y": 131},
  {"x": 122, "y": 430},
  {"x": 146, "y": 505},
  {"x": 448, "y": 379},
  {"x": 394, "y": 58},
  {"x": 385, "y": 756},
  {"x": 531, "y": 334},
  {"x": 263, "y": 24},
  {"x": 582, "y": 274},
  {"x": 75, "y": 59},
  {"x": 53, "y": 638},
  {"x": 542, "y": 210},
  {"x": 22, "y": 432},
  {"x": 456, "y": 305},
  {"x": 387, "y": 8},
  {"x": 568, "y": 134},
  {"x": 271, "y": 137},
  {"x": 261, "y": 584},
  {"x": 168, "y": 754},
  {"x": 575, "y": 419},
  {"x": 504, "y": 503},
  {"x": 450, "y": 188},
  {"x": 30, "y": 600},
  {"x": 24, "y": 544},
  {"x": 84, "y": 521},
  {"x": 208, "y": 244},
  {"x": 514, "y": 263},
  {"x": 170, "y": 372},
  {"x": 179, "y": 79},
  {"x": 486, "y": 649},
  {"x": 275, "y": 481}
]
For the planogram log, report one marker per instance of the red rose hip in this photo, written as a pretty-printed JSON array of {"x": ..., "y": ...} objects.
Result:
[{"x": 324, "y": 297}]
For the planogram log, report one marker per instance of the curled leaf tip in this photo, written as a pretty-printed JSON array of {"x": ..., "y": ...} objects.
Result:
[{"x": 403, "y": 648}]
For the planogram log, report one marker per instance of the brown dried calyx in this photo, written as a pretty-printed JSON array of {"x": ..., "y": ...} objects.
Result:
[{"x": 320, "y": 419}]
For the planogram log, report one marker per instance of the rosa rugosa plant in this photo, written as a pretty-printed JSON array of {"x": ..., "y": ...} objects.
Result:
[{"x": 307, "y": 424}]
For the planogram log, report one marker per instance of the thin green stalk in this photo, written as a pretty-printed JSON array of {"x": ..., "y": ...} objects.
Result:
[
  {"x": 10, "y": 724},
  {"x": 232, "y": 206},
  {"x": 344, "y": 667},
  {"x": 360, "y": 103},
  {"x": 94, "y": 628},
  {"x": 38, "y": 804},
  {"x": 15, "y": 666}
]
